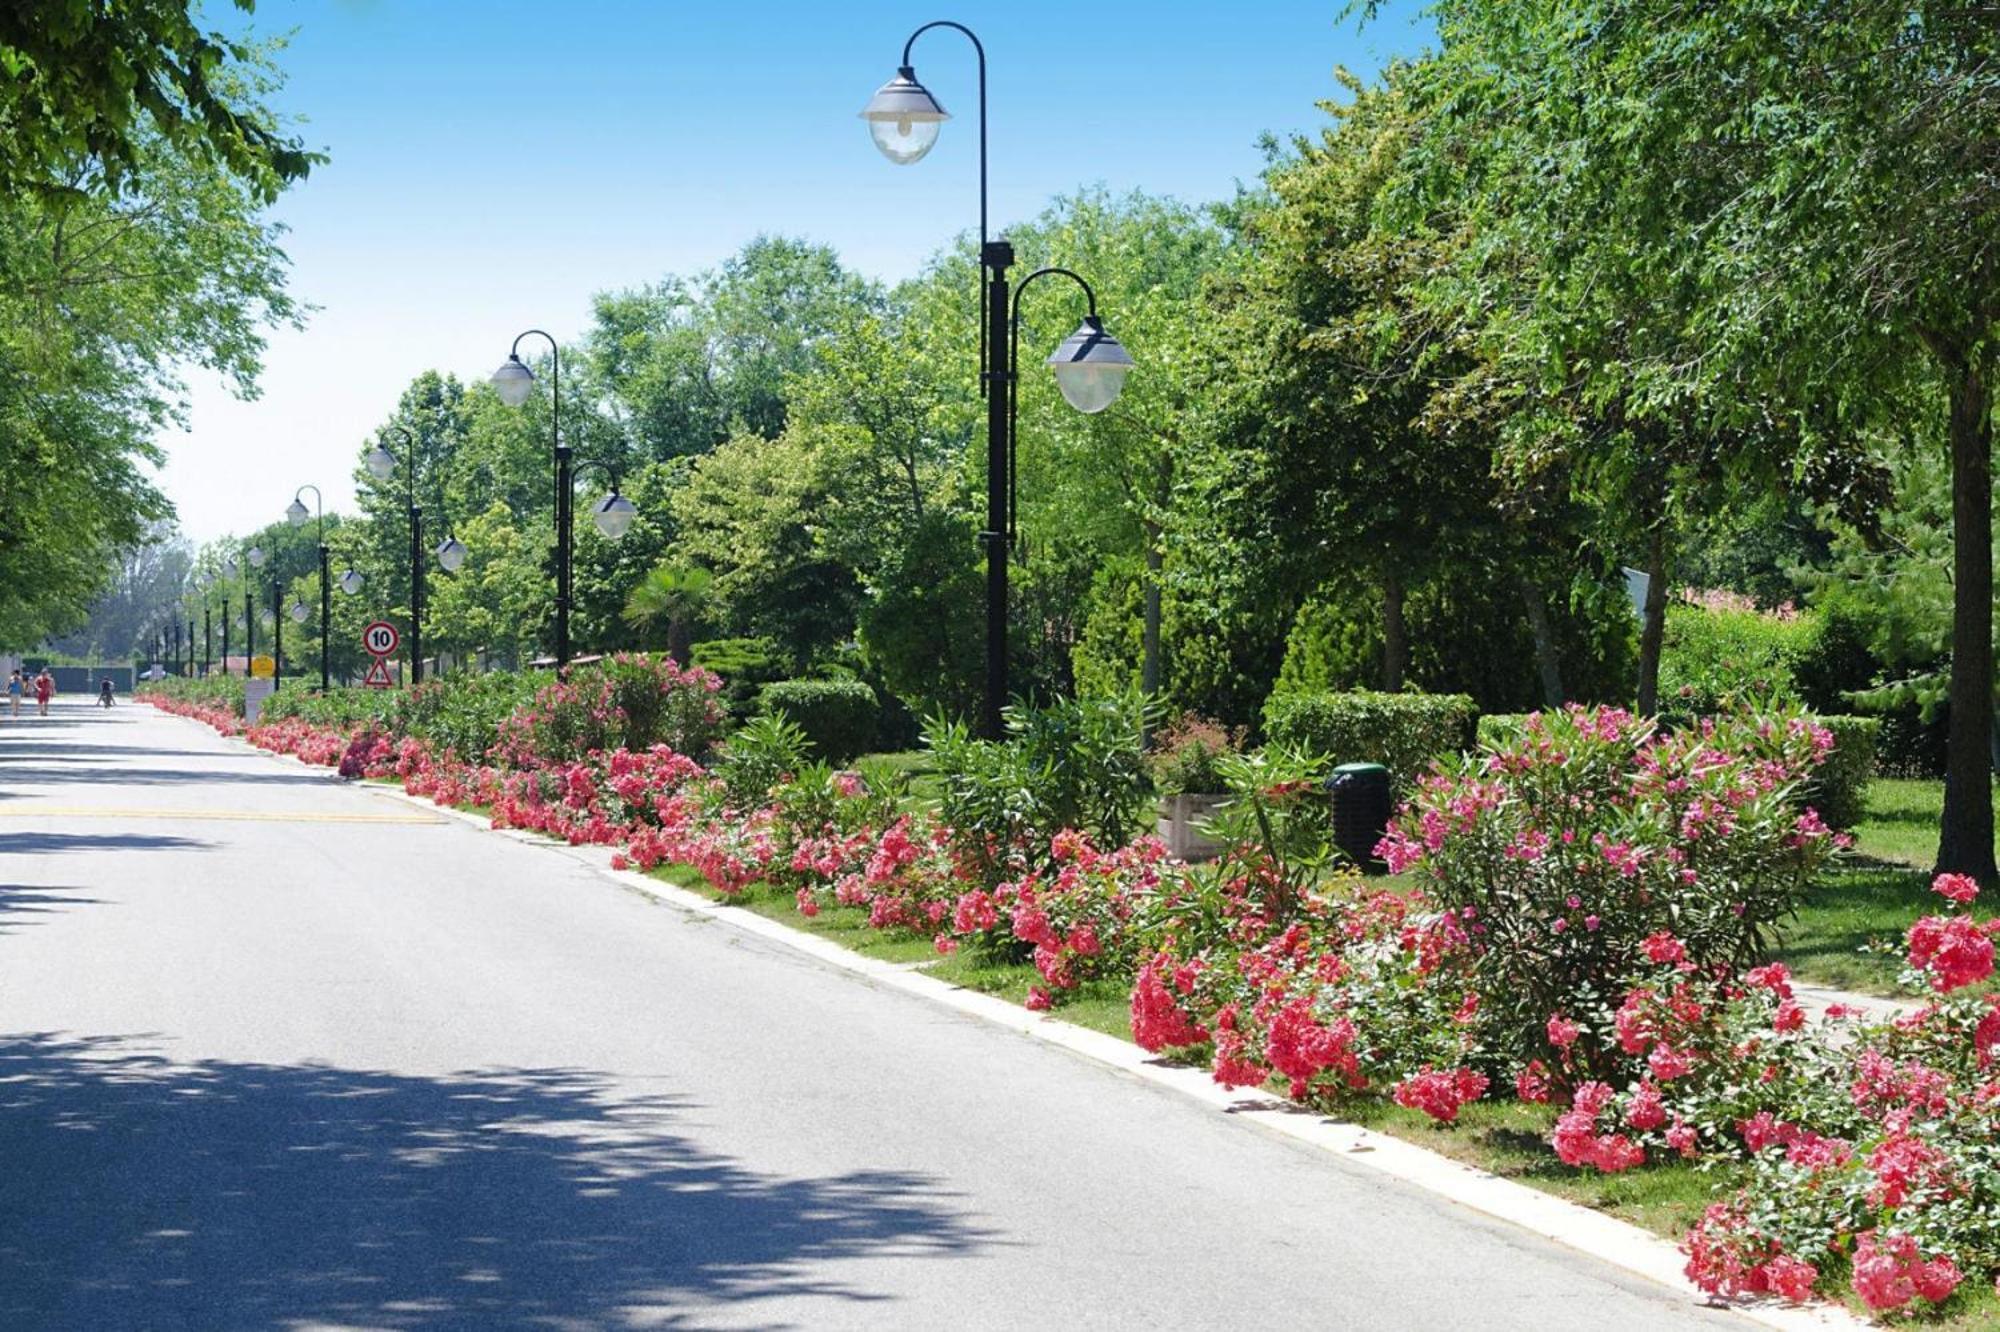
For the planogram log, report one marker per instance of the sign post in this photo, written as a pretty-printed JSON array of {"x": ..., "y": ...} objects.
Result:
[{"x": 379, "y": 640}]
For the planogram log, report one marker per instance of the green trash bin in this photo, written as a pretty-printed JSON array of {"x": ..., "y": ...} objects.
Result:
[{"x": 1362, "y": 801}]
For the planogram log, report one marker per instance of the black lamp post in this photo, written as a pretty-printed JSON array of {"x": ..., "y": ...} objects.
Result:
[
  {"x": 277, "y": 636},
  {"x": 382, "y": 466},
  {"x": 228, "y": 572},
  {"x": 206, "y": 640},
  {"x": 904, "y": 120},
  {"x": 255, "y": 558},
  {"x": 296, "y": 513},
  {"x": 613, "y": 514}
]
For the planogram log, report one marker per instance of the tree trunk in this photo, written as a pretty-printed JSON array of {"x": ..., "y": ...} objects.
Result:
[
  {"x": 677, "y": 640},
  {"x": 1395, "y": 635},
  {"x": 1653, "y": 626},
  {"x": 1965, "y": 838},
  {"x": 1547, "y": 658}
]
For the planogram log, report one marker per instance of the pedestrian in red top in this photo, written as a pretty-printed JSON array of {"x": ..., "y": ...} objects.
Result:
[{"x": 45, "y": 688}]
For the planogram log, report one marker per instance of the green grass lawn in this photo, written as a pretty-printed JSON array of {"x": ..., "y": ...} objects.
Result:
[{"x": 1874, "y": 895}]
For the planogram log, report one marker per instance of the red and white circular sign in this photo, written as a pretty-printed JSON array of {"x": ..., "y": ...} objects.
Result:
[{"x": 380, "y": 638}]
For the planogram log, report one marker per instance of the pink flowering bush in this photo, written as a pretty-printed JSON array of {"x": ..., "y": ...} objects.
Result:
[
  {"x": 1884, "y": 1154},
  {"x": 1077, "y": 917},
  {"x": 1561, "y": 851},
  {"x": 222, "y": 719}
]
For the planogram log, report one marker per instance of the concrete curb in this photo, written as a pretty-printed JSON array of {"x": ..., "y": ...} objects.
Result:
[{"x": 1555, "y": 1219}]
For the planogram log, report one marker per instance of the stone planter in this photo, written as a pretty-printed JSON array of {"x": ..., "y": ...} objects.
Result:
[{"x": 1180, "y": 817}]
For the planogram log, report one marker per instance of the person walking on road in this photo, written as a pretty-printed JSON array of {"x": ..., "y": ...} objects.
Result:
[
  {"x": 14, "y": 687},
  {"x": 104, "y": 692},
  {"x": 45, "y": 688}
]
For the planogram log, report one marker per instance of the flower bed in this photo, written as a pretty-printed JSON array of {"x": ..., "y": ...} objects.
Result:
[{"x": 1583, "y": 922}]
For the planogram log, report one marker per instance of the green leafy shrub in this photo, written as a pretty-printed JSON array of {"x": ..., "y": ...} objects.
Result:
[
  {"x": 1839, "y": 788},
  {"x": 462, "y": 713},
  {"x": 215, "y": 691},
  {"x": 746, "y": 665},
  {"x": 1499, "y": 728},
  {"x": 839, "y": 717},
  {"x": 1714, "y": 660},
  {"x": 1072, "y": 764},
  {"x": 1402, "y": 732},
  {"x": 1188, "y": 755},
  {"x": 759, "y": 757}
]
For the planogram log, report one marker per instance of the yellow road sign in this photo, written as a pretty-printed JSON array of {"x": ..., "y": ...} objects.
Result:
[{"x": 262, "y": 667}]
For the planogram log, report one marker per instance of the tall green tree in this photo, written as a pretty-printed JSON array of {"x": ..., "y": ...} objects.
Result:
[
  {"x": 106, "y": 299},
  {"x": 1805, "y": 197}
]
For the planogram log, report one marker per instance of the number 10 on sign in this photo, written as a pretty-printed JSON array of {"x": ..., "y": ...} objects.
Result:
[{"x": 380, "y": 638}]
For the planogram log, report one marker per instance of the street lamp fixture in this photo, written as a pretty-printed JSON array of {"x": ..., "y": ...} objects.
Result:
[
  {"x": 351, "y": 582},
  {"x": 381, "y": 463},
  {"x": 1090, "y": 366},
  {"x": 513, "y": 382},
  {"x": 903, "y": 118},
  {"x": 257, "y": 557},
  {"x": 296, "y": 513},
  {"x": 300, "y": 612},
  {"x": 614, "y": 514},
  {"x": 451, "y": 554}
]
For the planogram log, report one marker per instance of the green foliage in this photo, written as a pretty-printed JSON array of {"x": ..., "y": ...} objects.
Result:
[
  {"x": 670, "y": 597},
  {"x": 104, "y": 82},
  {"x": 921, "y": 626},
  {"x": 839, "y": 717},
  {"x": 1402, "y": 732},
  {"x": 1717, "y": 660},
  {"x": 746, "y": 665},
  {"x": 1072, "y": 764},
  {"x": 760, "y": 756},
  {"x": 1839, "y": 786},
  {"x": 1500, "y": 728},
  {"x": 218, "y": 691}
]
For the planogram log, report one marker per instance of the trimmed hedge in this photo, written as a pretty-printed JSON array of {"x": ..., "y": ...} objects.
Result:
[
  {"x": 1402, "y": 732},
  {"x": 840, "y": 717},
  {"x": 1840, "y": 788}
]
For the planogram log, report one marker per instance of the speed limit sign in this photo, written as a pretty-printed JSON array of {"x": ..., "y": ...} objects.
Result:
[{"x": 380, "y": 638}]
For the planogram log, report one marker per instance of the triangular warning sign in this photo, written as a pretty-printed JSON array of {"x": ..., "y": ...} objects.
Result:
[{"x": 378, "y": 675}]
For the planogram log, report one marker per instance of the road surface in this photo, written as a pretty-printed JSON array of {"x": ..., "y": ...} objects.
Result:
[{"x": 279, "y": 1052}]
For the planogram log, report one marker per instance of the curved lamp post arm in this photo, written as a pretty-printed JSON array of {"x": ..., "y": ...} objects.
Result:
[
  {"x": 909, "y": 71},
  {"x": 555, "y": 375},
  {"x": 1014, "y": 375},
  {"x": 980, "y": 50}
]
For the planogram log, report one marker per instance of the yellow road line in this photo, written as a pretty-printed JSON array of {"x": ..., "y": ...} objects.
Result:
[{"x": 249, "y": 815}]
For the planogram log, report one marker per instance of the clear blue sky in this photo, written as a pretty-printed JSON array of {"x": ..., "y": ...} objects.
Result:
[{"x": 496, "y": 163}]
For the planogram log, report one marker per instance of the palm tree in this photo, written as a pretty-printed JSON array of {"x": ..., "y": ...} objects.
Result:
[{"x": 675, "y": 594}]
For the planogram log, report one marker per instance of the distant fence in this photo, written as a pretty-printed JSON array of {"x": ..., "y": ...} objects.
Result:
[{"x": 84, "y": 679}]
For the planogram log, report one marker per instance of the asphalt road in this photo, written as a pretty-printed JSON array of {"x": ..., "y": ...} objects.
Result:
[{"x": 279, "y": 1052}]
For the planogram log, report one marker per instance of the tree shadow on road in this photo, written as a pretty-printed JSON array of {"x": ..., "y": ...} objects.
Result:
[
  {"x": 104, "y": 775},
  {"x": 51, "y": 843},
  {"x": 146, "y": 1194},
  {"x": 21, "y": 903}
]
